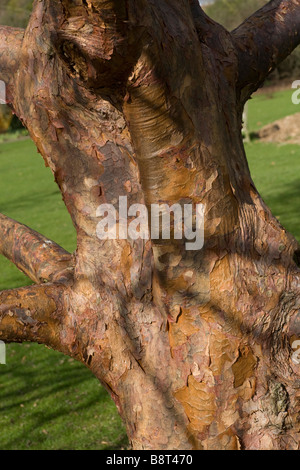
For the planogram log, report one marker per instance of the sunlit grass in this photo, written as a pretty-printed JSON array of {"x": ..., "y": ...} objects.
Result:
[
  {"x": 270, "y": 106},
  {"x": 276, "y": 168}
]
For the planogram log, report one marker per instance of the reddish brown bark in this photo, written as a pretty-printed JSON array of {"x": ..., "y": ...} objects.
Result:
[
  {"x": 40, "y": 259},
  {"x": 35, "y": 313},
  {"x": 265, "y": 40},
  {"x": 144, "y": 99}
]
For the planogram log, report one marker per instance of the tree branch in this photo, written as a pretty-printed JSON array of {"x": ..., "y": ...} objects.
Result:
[
  {"x": 264, "y": 40},
  {"x": 34, "y": 313},
  {"x": 39, "y": 258},
  {"x": 209, "y": 31},
  {"x": 10, "y": 46}
]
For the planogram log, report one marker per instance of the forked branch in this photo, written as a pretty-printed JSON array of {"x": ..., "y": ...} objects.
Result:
[
  {"x": 210, "y": 33},
  {"x": 36, "y": 256},
  {"x": 264, "y": 40}
]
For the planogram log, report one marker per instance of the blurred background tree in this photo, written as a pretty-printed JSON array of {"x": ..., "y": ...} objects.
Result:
[
  {"x": 15, "y": 12},
  {"x": 231, "y": 13}
]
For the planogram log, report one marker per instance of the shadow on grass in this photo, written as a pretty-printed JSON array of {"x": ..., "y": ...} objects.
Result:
[{"x": 50, "y": 401}]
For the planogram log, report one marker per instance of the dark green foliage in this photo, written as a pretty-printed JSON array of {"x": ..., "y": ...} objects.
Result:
[
  {"x": 231, "y": 13},
  {"x": 15, "y": 12}
]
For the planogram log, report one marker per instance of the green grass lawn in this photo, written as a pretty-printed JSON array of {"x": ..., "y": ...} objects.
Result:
[
  {"x": 48, "y": 401},
  {"x": 276, "y": 173},
  {"x": 276, "y": 168},
  {"x": 269, "y": 106}
]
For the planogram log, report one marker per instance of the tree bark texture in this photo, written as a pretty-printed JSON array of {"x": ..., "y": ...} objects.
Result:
[{"x": 144, "y": 99}]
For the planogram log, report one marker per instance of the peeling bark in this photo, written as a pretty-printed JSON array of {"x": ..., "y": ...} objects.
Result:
[
  {"x": 35, "y": 314},
  {"x": 40, "y": 259},
  {"x": 144, "y": 99},
  {"x": 10, "y": 48}
]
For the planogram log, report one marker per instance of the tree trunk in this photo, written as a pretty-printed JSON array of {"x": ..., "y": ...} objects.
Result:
[{"x": 144, "y": 99}]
